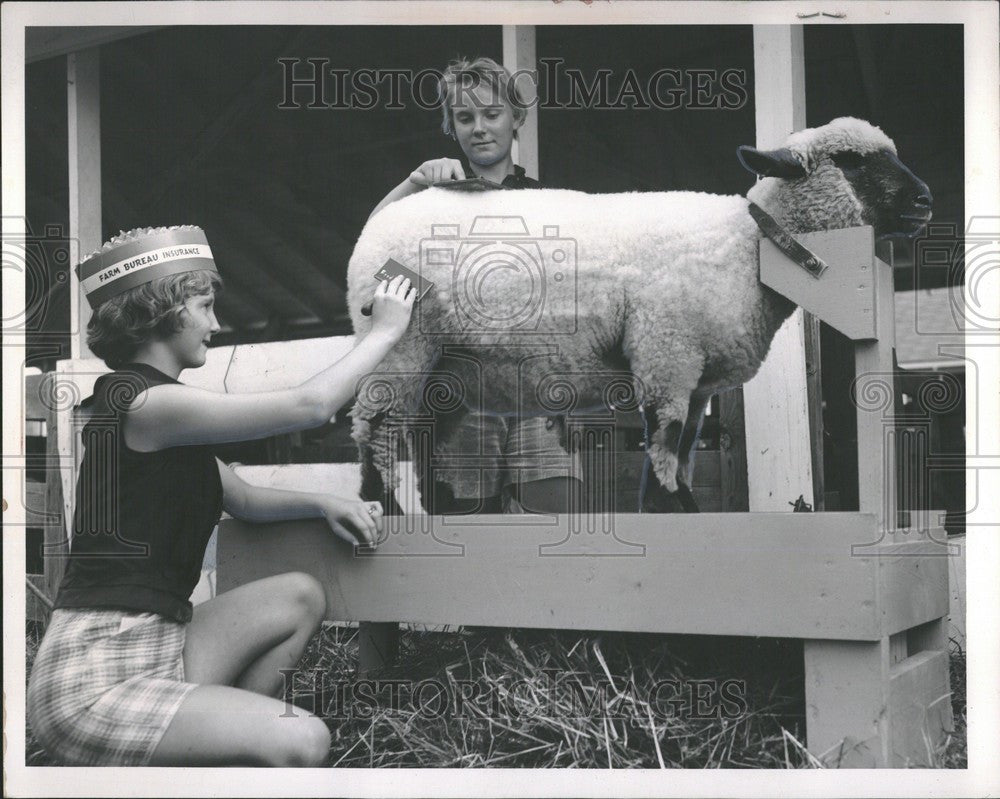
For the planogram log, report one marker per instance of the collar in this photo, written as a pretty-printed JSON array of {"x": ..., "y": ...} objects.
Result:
[{"x": 785, "y": 242}]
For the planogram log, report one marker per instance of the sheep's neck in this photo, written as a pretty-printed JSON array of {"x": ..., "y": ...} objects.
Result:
[
  {"x": 776, "y": 308},
  {"x": 799, "y": 211}
]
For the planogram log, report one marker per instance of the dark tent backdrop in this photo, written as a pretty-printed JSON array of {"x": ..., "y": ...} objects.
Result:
[{"x": 192, "y": 132}]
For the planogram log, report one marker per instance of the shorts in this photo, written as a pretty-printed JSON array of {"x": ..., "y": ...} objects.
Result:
[
  {"x": 486, "y": 454},
  {"x": 105, "y": 685}
]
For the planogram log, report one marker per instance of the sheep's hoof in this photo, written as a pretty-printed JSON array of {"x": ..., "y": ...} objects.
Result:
[
  {"x": 373, "y": 489},
  {"x": 658, "y": 500},
  {"x": 686, "y": 498}
]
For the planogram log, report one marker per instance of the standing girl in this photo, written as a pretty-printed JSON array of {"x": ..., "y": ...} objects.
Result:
[
  {"x": 532, "y": 468},
  {"x": 128, "y": 672}
]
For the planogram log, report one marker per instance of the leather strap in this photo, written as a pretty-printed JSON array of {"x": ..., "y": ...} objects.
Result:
[{"x": 783, "y": 240}]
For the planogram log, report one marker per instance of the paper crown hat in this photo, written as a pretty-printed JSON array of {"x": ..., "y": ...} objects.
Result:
[{"x": 140, "y": 256}]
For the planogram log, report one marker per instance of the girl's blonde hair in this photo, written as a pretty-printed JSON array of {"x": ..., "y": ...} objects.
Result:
[
  {"x": 465, "y": 74},
  {"x": 119, "y": 326}
]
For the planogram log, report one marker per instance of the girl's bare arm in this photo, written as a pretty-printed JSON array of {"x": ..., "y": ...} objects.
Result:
[
  {"x": 177, "y": 415},
  {"x": 349, "y": 518}
]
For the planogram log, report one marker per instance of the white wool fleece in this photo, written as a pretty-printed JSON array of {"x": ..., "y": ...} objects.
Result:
[{"x": 670, "y": 276}]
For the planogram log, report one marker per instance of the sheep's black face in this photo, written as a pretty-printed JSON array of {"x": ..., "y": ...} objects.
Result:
[{"x": 895, "y": 201}]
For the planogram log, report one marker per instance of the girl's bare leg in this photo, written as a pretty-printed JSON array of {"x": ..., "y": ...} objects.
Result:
[
  {"x": 241, "y": 640},
  {"x": 219, "y": 725}
]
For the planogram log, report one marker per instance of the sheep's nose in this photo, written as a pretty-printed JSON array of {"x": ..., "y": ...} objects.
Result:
[{"x": 923, "y": 198}]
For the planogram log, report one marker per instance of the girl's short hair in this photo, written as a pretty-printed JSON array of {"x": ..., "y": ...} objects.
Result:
[
  {"x": 119, "y": 326},
  {"x": 481, "y": 71}
]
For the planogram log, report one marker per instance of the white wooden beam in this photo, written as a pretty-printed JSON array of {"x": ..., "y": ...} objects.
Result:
[
  {"x": 779, "y": 466},
  {"x": 522, "y": 572},
  {"x": 519, "y": 59},
  {"x": 83, "y": 99},
  {"x": 41, "y": 42}
]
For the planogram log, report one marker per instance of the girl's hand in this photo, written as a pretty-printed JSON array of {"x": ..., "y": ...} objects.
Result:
[
  {"x": 392, "y": 307},
  {"x": 353, "y": 520},
  {"x": 436, "y": 170}
]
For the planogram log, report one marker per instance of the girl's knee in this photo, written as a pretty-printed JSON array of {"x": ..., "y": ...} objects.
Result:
[
  {"x": 306, "y": 593},
  {"x": 308, "y": 746}
]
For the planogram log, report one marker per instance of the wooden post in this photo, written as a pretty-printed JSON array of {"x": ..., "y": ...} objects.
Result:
[
  {"x": 378, "y": 645},
  {"x": 847, "y": 702},
  {"x": 83, "y": 96},
  {"x": 779, "y": 461},
  {"x": 732, "y": 452},
  {"x": 874, "y": 396},
  {"x": 57, "y": 528},
  {"x": 814, "y": 401},
  {"x": 519, "y": 58}
]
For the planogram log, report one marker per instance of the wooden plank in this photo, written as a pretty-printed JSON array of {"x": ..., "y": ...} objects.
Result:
[
  {"x": 691, "y": 571},
  {"x": 34, "y": 608},
  {"x": 378, "y": 645},
  {"x": 733, "y": 489},
  {"x": 930, "y": 636},
  {"x": 519, "y": 56},
  {"x": 34, "y": 407},
  {"x": 83, "y": 84},
  {"x": 34, "y": 504},
  {"x": 779, "y": 464},
  {"x": 919, "y": 708},
  {"x": 957, "y": 589},
  {"x": 844, "y": 296},
  {"x": 874, "y": 396},
  {"x": 913, "y": 583},
  {"x": 343, "y": 479},
  {"x": 847, "y": 702},
  {"x": 779, "y": 82},
  {"x": 814, "y": 401},
  {"x": 44, "y": 42},
  {"x": 57, "y": 530}
]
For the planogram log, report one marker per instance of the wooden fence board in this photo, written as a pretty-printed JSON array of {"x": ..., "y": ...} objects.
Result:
[
  {"x": 783, "y": 575},
  {"x": 847, "y": 702},
  {"x": 913, "y": 588},
  {"x": 844, "y": 296},
  {"x": 919, "y": 708}
]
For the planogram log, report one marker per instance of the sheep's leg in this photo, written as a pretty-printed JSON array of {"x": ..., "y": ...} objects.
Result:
[
  {"x": 654, "y": 497},
  {"x": 385, "y": 397},
  {"x": 373, "y": 488},
  {"x": 667, "y": 371},
  {"x": 689, "y": 435},
  {"x": 437, "y": 496}
]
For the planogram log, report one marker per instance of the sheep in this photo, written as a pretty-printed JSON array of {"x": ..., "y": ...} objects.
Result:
[{"x": 576, "y": 290}]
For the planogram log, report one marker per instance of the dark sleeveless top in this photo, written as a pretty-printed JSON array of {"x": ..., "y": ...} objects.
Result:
[
  {"x": 519, "y": 180},
  {"x": 143, "y": 519}
]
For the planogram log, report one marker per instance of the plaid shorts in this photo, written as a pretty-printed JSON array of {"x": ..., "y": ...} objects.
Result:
[
  {"x": 105, "y": 685},
  {"x": 486, "y": 454}
]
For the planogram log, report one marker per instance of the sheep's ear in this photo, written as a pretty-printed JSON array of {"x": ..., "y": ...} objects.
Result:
[{"x": 770, "y": 163}]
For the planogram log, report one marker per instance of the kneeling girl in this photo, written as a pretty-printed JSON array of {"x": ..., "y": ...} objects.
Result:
[{"x": 129, "y": 673}]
